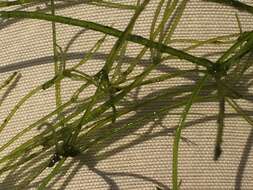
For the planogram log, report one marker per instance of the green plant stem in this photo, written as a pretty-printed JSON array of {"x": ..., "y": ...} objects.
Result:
[
  {"x": 118, "y": 97},
  {"x": 21, "y": 162},
  {"x": 107, "y": 119},
  {"x": 36, "y": 140},
  {"x": 90, "y": 53},
  {"x": 77, "y": 74},
  {"x": 244, "y": 49},
  {"x": 117, "y": 74},
  {"x": 91, "y": 2},
  {"x": 171, "y": 6},
  {"x": 33, "y": 175},
  {"x": 115, "y": 50},
  {"x": 110, "y": 31},
  {"x": 220, "y": 119},
  {"x": 34, "y": 91},
  {"x": 95, "y": 116},
  {"x": 108, "y": 134},
  {"x": 199, "y": 43},
  {"x": 175, "y": 21},
  {"x": 8, "y": 80},
  {"x": 239, "y": 23},
  {"x": 164, "y": 77},
  {"x": 112, "y": 4},
  {"x": 242, "y": 39},
  {"x": 38, "y": 122},
  {"x": 100, "y": 123},
  {"x": 236, "y": 4},
  {"x": 87, "y": 111},
  {"x": 169, "y": 93},
  {"x": 11, "y": 81},
  {"x": 52, "y": 174},
  {"x": 154, "y": 32},
  {"x": 123, "y": 37},
  {"x": 156, "y": 55},
  {"x": 105, "y": 106},
  {"x": 56, "y": 59},
  {"x": 19, "y": 2},
  {"x": 107, "y": 67},
  {"x": 213, "y": 40},
  {"x": 18, "y": 105},
  {"x": 57, "y": 70},
  {"x": 239, "y": 110},
  {"x": 135, "y": 107},
  {"x": 44, "y": 86},
  {"x": 154, "y": 21},
  {"x": 179, "y": 129}
]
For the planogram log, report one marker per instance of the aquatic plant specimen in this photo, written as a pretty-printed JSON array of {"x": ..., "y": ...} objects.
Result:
[{"x": 94, "y": 118}]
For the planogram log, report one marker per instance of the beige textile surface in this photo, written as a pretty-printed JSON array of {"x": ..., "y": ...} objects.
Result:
[{"x": 144, "y": 160}]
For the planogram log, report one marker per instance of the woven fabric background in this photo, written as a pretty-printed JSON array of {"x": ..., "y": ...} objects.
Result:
[{"x": 142, "y": 159}]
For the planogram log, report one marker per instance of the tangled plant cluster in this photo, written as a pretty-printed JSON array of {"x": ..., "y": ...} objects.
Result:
[{"x": 94, "y": 119}]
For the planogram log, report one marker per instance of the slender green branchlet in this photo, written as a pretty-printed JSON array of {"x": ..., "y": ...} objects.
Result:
[{"x": 110, "y": 31}]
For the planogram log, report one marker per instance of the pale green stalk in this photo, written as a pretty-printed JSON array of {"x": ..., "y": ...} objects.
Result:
[
  {"x": 181, "y": 124},
  {"x": 56, "y": 59},
  {"x": 236, "y": 4},
  {"x": 239, "y": 110},
  {"x": 33, "y": 175},
  {"x": 176, "y": 20},
  {"x": 199, "y": 43},
  {"x": 8, "y": 80},
  {"x": 54, "y": 172},
  {"x": 90, "y": 53},
  {"x": 102, "y": 3},
  {"x": 18, "y": 105},
  {"x": 110, "y": 31},
  {"x": 239, "y": 23},
  {"x": 114, "y": 52},
  {"x": 171, "y": 6},
  {"x": 110, "y": 4}
]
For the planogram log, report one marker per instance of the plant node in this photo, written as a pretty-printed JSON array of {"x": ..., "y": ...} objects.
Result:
[{"x": 218, "y": 70}]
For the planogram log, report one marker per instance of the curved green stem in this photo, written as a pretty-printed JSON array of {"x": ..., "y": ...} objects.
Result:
[
  {"x": 244, "y": 49},
  {"x": 112, "y": 4},
  {"x": 236, "y": 4},
  {"x": 40, "y": 121},
  {"x": 33, "y": 175},
  {"x": 239, "y": 110},
  {"x": 18, "y": 105},
  {"x": 178, "y": 14},
  {"x": 91, "y": 2},
  {"x": 179, "y": 129},
  {"x": 52, "y": 174},
  {"x": 90, "y": 53},
  {"x": 100, "y": 138},
  {"x": 8, "y": 80},
  {"x": 19, "y": 2},
  {"x": 198, "y": 43},
  {"x": 110, "y": 31}
]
